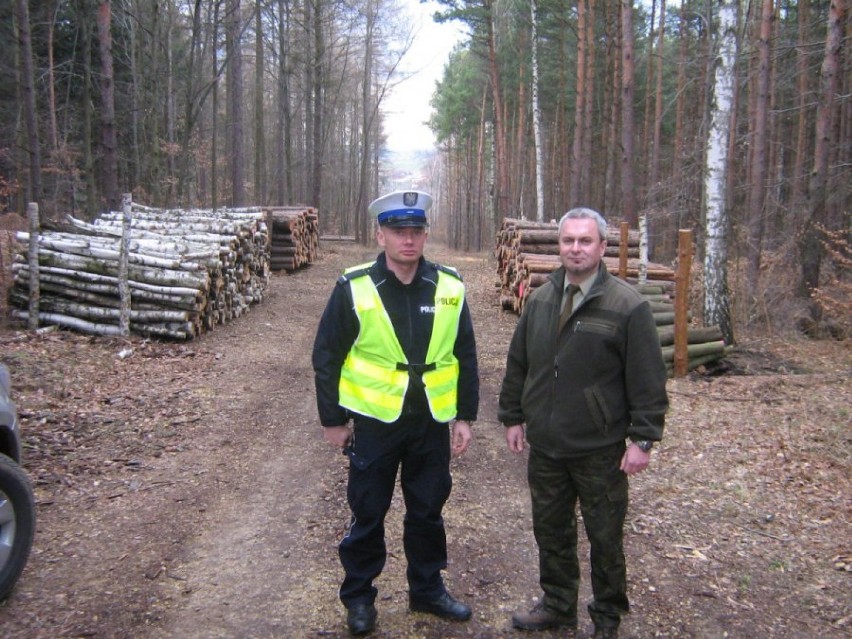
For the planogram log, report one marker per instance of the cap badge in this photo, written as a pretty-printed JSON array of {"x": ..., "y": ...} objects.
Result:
[{"x": 409, "y": 198}]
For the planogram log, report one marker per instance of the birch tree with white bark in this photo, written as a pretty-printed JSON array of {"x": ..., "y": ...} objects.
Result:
[
  {"x": 716, "y": 299},
  {"x": 536, "y": 109}
]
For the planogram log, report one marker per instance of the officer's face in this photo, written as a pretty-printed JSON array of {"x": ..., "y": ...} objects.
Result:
[
  {"x": 580, "y": 247},
  {"x": 402, "y": 245}
]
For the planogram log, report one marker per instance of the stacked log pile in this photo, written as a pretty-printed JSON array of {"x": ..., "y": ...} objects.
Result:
[
  {"x": 528, "y": 252},
  {"x": 188, "y": 270},
  {"x": 294, "y": 237},
  {"x": 704, "y": 344}
]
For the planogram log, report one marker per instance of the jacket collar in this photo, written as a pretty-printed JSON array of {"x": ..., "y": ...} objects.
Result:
[
  {"x": 380, "y": 268},
  {"x": 557, "y": 278}
]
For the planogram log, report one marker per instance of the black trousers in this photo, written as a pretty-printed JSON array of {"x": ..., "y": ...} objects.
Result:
[
  {"x": 556, "y": 484},
  {"x": 418, "y": 448}
]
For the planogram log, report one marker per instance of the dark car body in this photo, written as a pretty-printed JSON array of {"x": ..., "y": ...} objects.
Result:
[
  {"x": 10, "y": 436},
  {"x": 17, "y": 504}
]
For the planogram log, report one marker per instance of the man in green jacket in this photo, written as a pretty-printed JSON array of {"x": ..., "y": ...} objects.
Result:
[{"x": 585, "y": 386}]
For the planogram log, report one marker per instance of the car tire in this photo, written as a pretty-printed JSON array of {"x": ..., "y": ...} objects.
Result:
[{"x": 17, "y": 523}]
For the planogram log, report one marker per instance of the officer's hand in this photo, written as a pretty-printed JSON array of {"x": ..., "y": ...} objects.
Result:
[
  {"x": 515, "y": 438},
  {"x": 461, "y": 437},
  {"x": 338, "y": 436}
]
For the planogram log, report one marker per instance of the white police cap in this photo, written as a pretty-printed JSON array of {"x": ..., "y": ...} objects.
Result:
[{"x": 401, "y": 208}]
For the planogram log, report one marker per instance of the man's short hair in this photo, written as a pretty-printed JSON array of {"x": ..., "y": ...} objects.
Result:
[{"x": 585, "y": 213}]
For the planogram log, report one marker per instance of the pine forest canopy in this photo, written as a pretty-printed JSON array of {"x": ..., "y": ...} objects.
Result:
[{"x": 546, "y": 104}]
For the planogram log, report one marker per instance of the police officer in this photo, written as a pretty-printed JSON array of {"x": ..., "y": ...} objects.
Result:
[{"x": 395, "y": 353}]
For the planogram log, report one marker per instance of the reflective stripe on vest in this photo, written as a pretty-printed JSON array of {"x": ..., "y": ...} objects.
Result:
[{"x": 375, "y": 375}]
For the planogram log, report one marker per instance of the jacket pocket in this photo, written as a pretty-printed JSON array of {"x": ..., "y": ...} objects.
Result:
[
  {"x": 601, "y": 415},
  {"x": 595, "y": 326}
]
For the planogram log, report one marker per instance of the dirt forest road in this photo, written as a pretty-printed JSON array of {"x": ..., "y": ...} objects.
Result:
[{"x": 185, "y": 491}]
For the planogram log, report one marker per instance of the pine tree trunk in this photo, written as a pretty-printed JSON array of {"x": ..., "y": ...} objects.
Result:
[
  {"x": 236, "y": 97},
  {"x": 628, "y": 194},
  {"x": 517, "y": 161},
  {"x": 610, "y": 198},
  {"x": 647, "y": 125},
  {"x": 318, "y": 103},
  {"x": 214, "y": 117},
  {"x": 500, "y": 140},
  {"x": 811, "y": 248},
  {"x": 366, "y": 126},
  {"x": 803, "y": 99},
  {"x": 576, "y": 195},
  {"x": 283, "y": 139},
  {"x": 109, "y": 141},
  {"x": 260, "y": 195},
  {"x": 658, "y": 100},
  {"x": 587, "y": 153},
  {"x": 759, "y": 146},
  {"x": 30, "y": 109}
]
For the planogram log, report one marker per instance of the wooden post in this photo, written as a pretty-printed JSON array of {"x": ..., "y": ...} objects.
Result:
[
  {"x": 622, "y": 251},
  {"x": 684, "y": 266},
  {"x": 32, "y": 215},
  {"x": 123, "y": 283}
]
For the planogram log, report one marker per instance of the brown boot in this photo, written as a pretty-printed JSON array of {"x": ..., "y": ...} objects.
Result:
[
  {"x": 541, "y": 618},
  {"x": 606, "y": 632}
]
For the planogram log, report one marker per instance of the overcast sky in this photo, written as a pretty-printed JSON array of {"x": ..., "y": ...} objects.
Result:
[{"x": 407, "y": 107}]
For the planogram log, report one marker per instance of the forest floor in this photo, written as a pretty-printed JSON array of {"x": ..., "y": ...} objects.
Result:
[{"x": 184, "y": 489}]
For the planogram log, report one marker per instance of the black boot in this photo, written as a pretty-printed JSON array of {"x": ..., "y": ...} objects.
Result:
[
  {"x": 361, "y": 619},
  {"x": 444, "y": 606}
]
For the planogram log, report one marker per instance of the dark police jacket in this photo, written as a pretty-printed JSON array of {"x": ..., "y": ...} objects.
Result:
[
  {"x": 599, "y": 381},
  {"x": 411, "y": 310}
]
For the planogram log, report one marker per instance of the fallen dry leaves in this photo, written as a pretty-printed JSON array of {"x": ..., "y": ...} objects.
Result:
[{"x": 740, "y": 528}]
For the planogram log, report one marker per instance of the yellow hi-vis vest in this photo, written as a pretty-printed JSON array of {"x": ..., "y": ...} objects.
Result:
[{"x": 375, "y": 375}]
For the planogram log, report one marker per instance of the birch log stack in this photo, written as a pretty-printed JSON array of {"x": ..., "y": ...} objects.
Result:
[
  {"x": 188, "y": 271},
  {"x": 294, "y": 237},
  {"x": 528, "y": 252}
]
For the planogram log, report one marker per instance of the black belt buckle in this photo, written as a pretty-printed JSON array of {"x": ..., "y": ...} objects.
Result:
[{"x": 418, "y": 369}]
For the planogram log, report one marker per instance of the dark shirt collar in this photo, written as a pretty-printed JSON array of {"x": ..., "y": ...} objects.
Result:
[{"x": 385, "y": 273}]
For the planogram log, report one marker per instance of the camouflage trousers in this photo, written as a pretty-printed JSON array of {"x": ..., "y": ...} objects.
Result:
[{"x": 556, "y": 484}]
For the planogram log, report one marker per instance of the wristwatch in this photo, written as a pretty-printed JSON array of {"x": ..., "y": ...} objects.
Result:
[{"x": 644, "y": 445}]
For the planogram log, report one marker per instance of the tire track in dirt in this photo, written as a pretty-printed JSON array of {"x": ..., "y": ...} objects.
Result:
[{"x": 265, "y": 564}]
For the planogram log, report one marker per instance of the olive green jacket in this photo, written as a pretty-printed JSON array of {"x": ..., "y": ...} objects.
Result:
[{"x": 600, "y": 380}]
